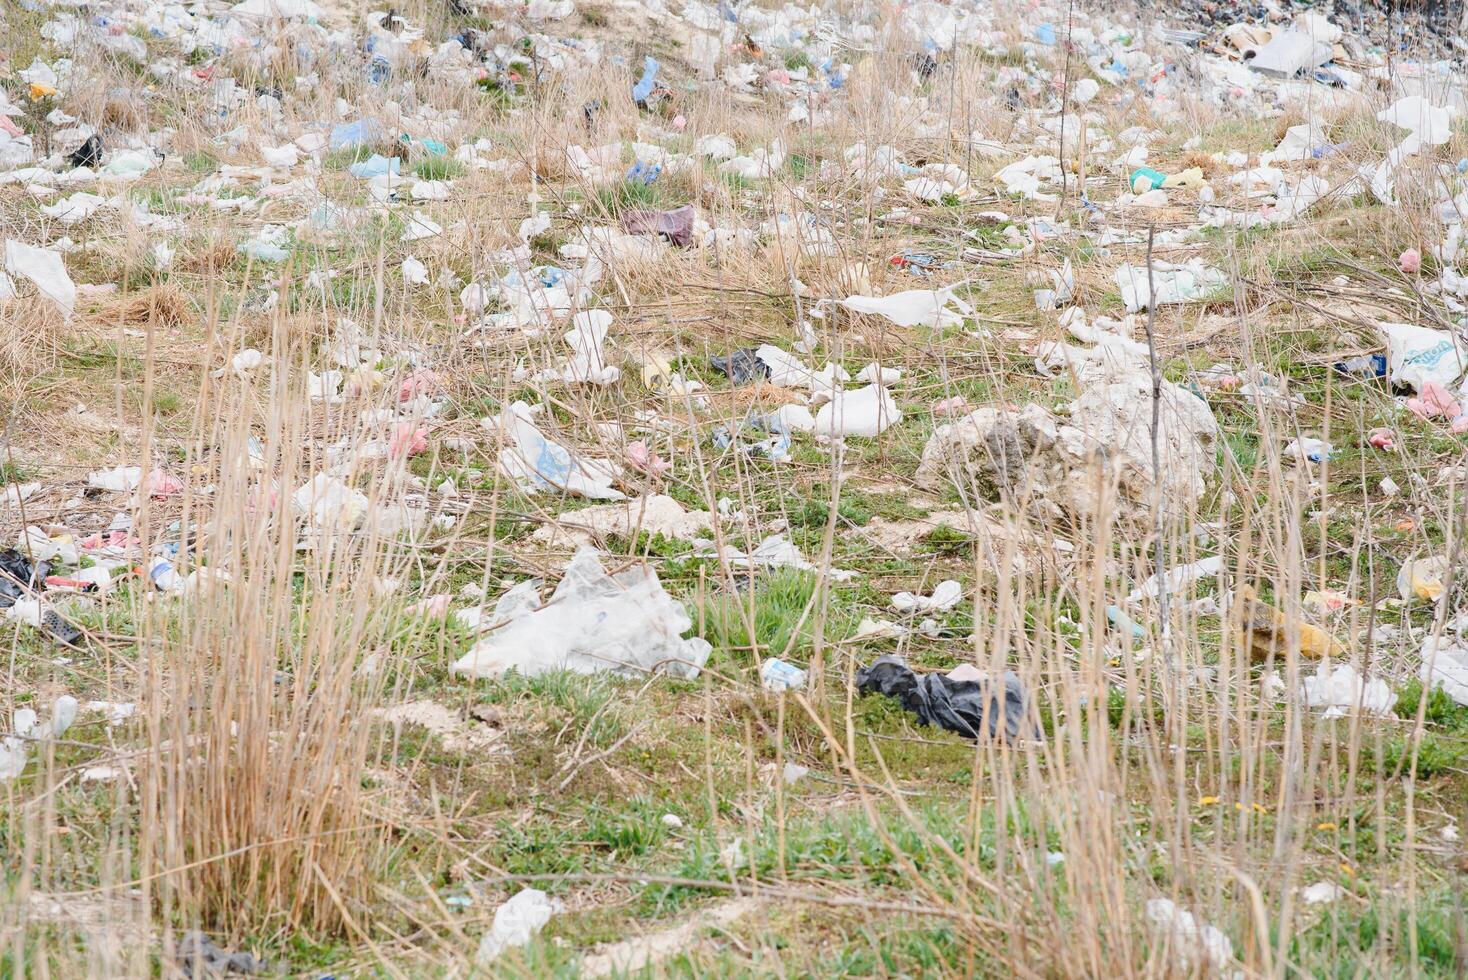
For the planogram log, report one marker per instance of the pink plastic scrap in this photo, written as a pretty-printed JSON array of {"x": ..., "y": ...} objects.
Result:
[
  {"x": 161, "y": 484},
  {"x": 420, "y": 384},
  {"x": 406, "y": 440},
  {"x": 675, "y": 225},
  {"x": 644, "y": 459},
  {"x": 1433, "y": 401}
]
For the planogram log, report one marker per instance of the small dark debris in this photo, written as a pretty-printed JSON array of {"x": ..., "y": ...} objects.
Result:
[
  {"x": 488, "y": 714},
  {"x": 197, "y": 950},
  {"x": 973, "y": 709},
  {"x": 89, "y": 154},
  {"x": 18, "y": 576},
  {"x": 741, "y": 367}
]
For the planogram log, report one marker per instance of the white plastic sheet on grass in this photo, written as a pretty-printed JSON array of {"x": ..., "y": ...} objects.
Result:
[
  {"x": 594, "y": 622},
  {"x": 45, "y": 268},
  {"x": 914, "y": 307}
]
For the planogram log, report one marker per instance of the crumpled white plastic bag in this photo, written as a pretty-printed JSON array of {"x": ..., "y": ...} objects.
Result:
[
  {"x": 1171, "y": 283},
  {"x": 1341, "y": 690},
  {"x": 865, "y": 412},
  {"x": 1416, "y": 355},
  {"x": 1445, "y": 665},
  {"x": 594, "y": 622},
  {"x": 1194, "y": 942},
  {"x": 914, "y": 307},
  {"x": 516, "y": 922},
  {"x": 534, "y": 460},
  {"x": 45, "y": 268}
]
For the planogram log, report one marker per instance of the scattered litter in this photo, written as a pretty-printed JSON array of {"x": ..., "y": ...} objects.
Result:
[
  {"x": 1417, "y": 355},
  {"x": 1321, "y": 893},
  {"x": 945, "y": 596},
  {"x": 538, "y": 462},
  {"x": 655, "y": 514},
  {"x": 675, "y": 225},
  {"x": 914, "y": 307},
  {"x": 1445, "y": 665},
  {"x": 865, "y": 412},
  {"x": 740, "y": 367},
  {"x": 1423, "y": 578},
  {"x": 1171, "y": 283},
  {"x": 43, "y": 267}
]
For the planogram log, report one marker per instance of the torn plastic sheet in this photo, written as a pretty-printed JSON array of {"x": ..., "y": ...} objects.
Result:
[
  {"x": 675, "y": 225},
  {"x": 1196, "y": 945},
  {"x": 914, "y": 307},
  {"x": 1289, "y": 52},
  {"x": 534, "y": 460},
  {"x": 775, "y": 551},
  {"x": 594, "y": 622},
  {"x": 865, "y": 412},
  {"x": 972, "y": 708},
  {"x": 1445, "y": 665},
  {"x": 586, "y": 337},
  {"x": 1171, "y": 282},
  {"x": 1177, "y": 578},
  {"x": 43, "y": 267},
  {"x": 517, "y": 922},
  {"x": 1342, "y": 691}
]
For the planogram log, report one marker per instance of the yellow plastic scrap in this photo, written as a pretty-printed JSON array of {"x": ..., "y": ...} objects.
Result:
[
  {"x": 39, "y": 91},
  {"x": 1189, "y": 179},
  {"x": 657, "y": 372},
  {"x": 1429, "y": 589},
  {"x": 1267, "y": 632}
]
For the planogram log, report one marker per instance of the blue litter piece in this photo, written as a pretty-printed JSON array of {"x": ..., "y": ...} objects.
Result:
[
  {"x": 644, "y": 85},
  {"x": 1369, "y": 366},
  {"x": 344, "y": 136},
  {"x": 1045, "y": 33},
  {"x": 644, "y": 173},
  {"x": 1122, "y": 621},
  {"x": 375, "y": 166}
]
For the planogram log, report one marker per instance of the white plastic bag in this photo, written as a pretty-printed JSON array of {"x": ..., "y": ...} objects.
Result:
[
  {"x": 594, "y": 622},
  {"x": 1341, "y": 691},
  {"x": 535, "y": 460},
  {"x": 45, "y": 268},
  {"x": 516, "y": 922},
  {"x": 1416, "y": 355},
  {"x": 1171, "y": 283},
  {"x": 914, "y": 307},
  {"x": 1445, "y": 665},
  {"x": 864, "y": 412},
  {"x": 945, "y": 596}
]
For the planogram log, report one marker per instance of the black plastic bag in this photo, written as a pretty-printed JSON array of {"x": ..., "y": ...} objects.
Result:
[
  {"x": 89, "y": 154},
  {"x": 973, "y": 709},
  {"x": 741, "y": 367},
  {"x": 18, "y": 576}
]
